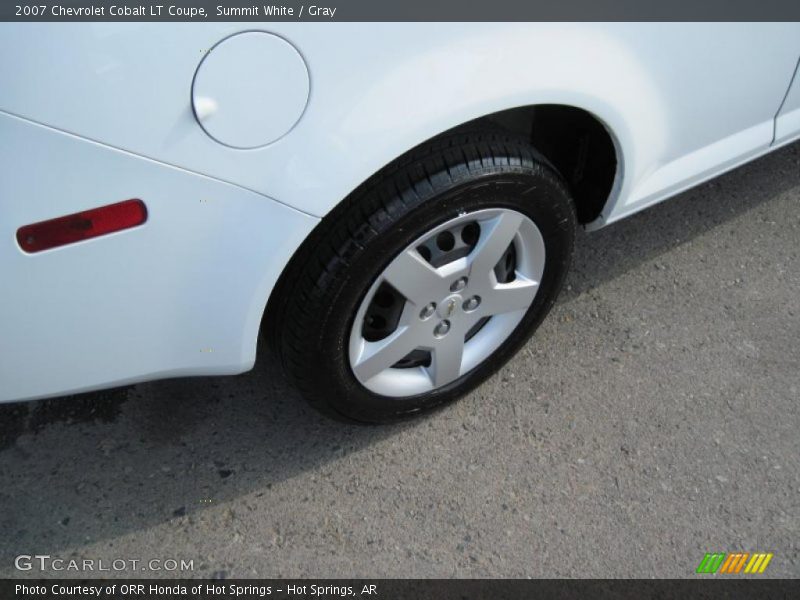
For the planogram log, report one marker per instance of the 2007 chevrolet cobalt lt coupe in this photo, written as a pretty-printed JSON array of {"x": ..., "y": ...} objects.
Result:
[{"x": 392, "y": 205}]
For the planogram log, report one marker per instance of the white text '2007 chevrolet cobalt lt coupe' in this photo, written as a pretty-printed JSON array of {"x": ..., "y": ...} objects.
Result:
[{"x": 392, "y": 205}]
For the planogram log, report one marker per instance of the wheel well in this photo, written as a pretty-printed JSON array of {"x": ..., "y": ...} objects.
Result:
[
  {"x": 572, "y": 139},
  {"x": 576, "y": 143}
]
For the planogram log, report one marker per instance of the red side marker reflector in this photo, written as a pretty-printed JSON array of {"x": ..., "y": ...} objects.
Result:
[{"x": 81, "y": 226}]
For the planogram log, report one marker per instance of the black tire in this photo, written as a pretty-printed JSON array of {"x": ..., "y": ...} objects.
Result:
[{"x": 310, "y": 316}]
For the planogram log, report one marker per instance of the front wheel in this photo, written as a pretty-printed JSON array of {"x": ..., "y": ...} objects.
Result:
[{"x": 426, "y": 280}]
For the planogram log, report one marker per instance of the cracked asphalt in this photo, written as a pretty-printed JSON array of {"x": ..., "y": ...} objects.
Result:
[{"x": 654, "y": 417}]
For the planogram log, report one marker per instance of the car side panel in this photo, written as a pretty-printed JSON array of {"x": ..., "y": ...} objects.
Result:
[
  {"x": 182, "y": 294},
  {"x": 682, "y": 100},
  {"x": 93, "y": 113}
]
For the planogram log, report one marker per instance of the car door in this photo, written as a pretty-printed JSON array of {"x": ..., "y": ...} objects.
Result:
[
  {"x": 787, "y": 122},
  {"x": 716, "y": 88}
]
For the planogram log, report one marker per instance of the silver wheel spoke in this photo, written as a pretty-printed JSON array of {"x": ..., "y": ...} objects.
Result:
[
  {"x": 446, "y": 359},
  {"x": 496, "y": 237},
  {"x": 412, "y": 276},
  {"x": 509, "y": 297},
  {"x": 380, "y": 355}
]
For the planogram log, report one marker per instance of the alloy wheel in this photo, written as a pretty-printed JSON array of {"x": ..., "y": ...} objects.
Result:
[{"x": 446, "y": 302}]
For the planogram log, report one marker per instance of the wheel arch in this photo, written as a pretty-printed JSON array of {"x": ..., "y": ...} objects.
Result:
[{"x": 561, "y": 130}]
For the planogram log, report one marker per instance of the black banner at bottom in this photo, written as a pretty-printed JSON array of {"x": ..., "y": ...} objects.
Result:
[{"x": 395, "y": 589}]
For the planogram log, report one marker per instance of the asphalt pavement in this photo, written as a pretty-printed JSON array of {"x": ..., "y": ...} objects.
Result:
[{"x": 654, "y": 417}]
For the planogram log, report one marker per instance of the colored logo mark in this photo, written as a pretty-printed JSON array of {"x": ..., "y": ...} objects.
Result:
[{"x": 720, "y": 562}]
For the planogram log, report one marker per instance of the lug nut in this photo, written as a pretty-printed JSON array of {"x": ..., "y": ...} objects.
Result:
[
  {"x": 459, "y": 284},
  {"x": 441, "y": 329},
  {"x": 426, "y": 312},
  {"x": 472, "y": 303}
]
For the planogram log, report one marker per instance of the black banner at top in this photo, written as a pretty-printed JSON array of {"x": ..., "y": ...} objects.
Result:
[{"x": 400, "y": 10}]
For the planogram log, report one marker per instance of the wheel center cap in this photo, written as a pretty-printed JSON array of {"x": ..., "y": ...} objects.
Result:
[{"x": 448, "y": 307}]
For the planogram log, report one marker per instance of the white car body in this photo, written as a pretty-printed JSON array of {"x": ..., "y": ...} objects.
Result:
[{"x": 97, "y": 113}]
